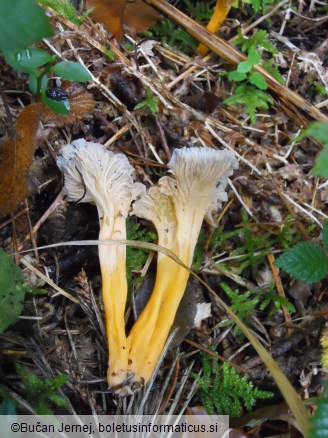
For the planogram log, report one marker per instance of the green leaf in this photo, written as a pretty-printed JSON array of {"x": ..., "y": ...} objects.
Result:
[
  {"x": 236, "y": 76},
  {"x": 319, "y": 422},
  {"x": 318, "y": 130},
  {"x": 305, "y": 261},
  {"x": 60, "y": 107},
  {"x": 22, "y": 22},
  {"x": 109, "y": 53},
  {"x": 258, "y": 80},
  {"x": 244, "y": 67},
  {"x": 256, "y": 4},
  {"x": 64, "y": 8},
  {"x": 72, "y": 71},
  {"x": 320, "y": 167},
  {"x": 12, "y": 291},
  {"x": 28, "y": 60},
  {"x": 33, "y": 84},
  {"x": 325, "y": 234},
  {"x": 151, "y": 102},
  {"x": 253, "y": 56}
]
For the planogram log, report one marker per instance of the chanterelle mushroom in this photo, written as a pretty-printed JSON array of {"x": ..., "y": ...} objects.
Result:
[
  {"x": 93, "y": 174},
  {"x": 176, "y": 206}
]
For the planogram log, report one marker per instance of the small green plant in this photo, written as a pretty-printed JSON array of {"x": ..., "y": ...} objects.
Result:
[
  {"x": 43, "y": 393},
  {"x": 259, "y": 5},
  {"x": 250, "y": 97},
  {"x": 13, "y": 288},
  {"x": 151, "y": 102},
  {"x": 316, "y": 87},
  {"x": 244, "y": 304},
  {"x": 250, "y": 93},
  {"x": 201, "y": 11},
  {"x": 66, "y": 9},
  {"x": 38, "y": 63},
  {"x": 199, "y": 252},
  {"x": 306, "y": 261},
  {"x": 173, "y": 35},
  {"x": 136, "y": 257},
  {"x": 222, "y": 391},
  {"x": 255, "y": 247}
]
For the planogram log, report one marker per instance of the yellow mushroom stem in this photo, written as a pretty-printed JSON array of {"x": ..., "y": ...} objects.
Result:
[
  {"x": 220, "y": 13},
  {"x": 114, "y": 292},
  {"x": 151, "y": 330}
]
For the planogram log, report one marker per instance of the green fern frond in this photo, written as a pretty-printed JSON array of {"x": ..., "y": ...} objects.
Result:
[
  {"x": 242, "y": 304},
  {"x": 273, "y": 70},
  {"x": 43, "y": 393},
  {"x": 251, "y": 97},
  {"x": 259, "y": 39},
  {"x": 201, "y": 11},
  {"x": 222, "y": 391}
]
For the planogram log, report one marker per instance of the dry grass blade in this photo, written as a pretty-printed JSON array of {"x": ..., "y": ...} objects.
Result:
[
  {"x": 234, "y": 56},
  {"x": 285, "y": 387}
]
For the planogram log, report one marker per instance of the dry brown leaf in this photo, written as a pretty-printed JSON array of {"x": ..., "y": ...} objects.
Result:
[
  {"x": 118, "y": 14},
  {"x": 16, "y": 154},
  {"x": 81, "y": 103}
]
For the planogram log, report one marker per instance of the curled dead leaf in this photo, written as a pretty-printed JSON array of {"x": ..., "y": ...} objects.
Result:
[
  {"x": 116, "y": 15},
  {"x": 16, "y": 154}
]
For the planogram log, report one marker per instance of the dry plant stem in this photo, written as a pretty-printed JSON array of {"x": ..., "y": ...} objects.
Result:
[
  {"x": 57, "y": 202},
  {"x": 280, "y": 288},
  {"x": 32, "y": 236},
  {"x": 47, "y": 280},
  {"x": 211, "y": 353},
  {"x": 234, "y": 56},
  {"x": 13, "y": 217}
]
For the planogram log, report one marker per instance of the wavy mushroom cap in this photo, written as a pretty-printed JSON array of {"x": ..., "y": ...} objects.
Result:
[
  {"x": 202, "y": 172},
  {"x": 94, "y": 174},
  {"x": 178, "y": 204}
]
